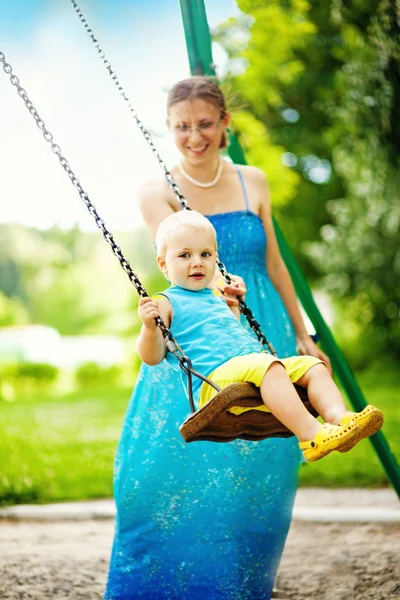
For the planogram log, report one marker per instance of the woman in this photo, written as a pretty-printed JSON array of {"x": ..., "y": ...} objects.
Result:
[{"x": 207, "y": 521}]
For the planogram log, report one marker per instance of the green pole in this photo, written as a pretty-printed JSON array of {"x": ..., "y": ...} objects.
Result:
[
  {"x": 198, "y": 43},
  {"x": 198, "y": 38},
  {"x": 339, "y": 362}
]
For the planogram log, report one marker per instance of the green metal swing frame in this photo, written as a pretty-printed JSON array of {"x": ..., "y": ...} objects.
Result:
[{"x": 199, "y": 49}]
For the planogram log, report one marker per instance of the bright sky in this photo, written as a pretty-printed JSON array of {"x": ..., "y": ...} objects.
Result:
[{"x": 58, "y": 66}]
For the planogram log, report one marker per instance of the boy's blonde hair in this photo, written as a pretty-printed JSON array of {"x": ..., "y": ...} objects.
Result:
[{"x": 177, "y": 220}]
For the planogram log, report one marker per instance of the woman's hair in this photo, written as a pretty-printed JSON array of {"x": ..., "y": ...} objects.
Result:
[
  {"x": 178, "y": 220},
  {"x": 201, "y": 87}
]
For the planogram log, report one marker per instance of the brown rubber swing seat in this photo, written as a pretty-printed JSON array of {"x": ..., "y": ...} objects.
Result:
[{"x": 214, "y": 422}]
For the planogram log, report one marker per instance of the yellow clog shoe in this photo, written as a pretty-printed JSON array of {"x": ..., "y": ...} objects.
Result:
[
  {"x": 368, "y": 421},
  {"x": 330, "y": 438}
]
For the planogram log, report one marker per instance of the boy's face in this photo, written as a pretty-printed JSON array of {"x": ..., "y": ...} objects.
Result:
[{"x": 190, "y": 258}]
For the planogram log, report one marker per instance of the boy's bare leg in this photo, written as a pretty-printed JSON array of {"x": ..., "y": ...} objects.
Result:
[
  {"x": 328, "y": 401},
  {"x": 280, "y": 396},
  {"x": 324, "y": 394}
]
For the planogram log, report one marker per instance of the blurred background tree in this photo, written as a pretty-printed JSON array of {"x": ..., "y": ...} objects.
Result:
[
  {"x": 69, "y": 279},
  {"x": 316, "y": 103},
  {"x": 12, "y": 311},
  {"x": 318, "y": 88},
  {"x": 315, "y": 94},
  {"x": 360, "y": 251}
]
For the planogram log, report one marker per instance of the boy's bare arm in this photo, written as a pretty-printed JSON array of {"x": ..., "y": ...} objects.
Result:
[
  {"x": 236, "y": 311},
  {"x": 150, "y": 345}
]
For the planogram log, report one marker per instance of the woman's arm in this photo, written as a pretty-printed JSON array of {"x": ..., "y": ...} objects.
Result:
[
  {"x": 281, "y": 279},
  {"x": 155, "y": 204},
  {"x": 229, "y": 291}
]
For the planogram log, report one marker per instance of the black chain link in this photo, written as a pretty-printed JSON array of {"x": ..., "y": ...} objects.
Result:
[
  {"x": 171, "y": 343},
  {"x": 255, "y": 326},
  {"x": 246, "y": 311},
  {"x": 108, "y": 236},
  {"x": 147, "y": 136}
]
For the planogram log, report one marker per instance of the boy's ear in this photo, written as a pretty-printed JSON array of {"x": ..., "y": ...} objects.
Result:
[{"x": 162, "y": 265}]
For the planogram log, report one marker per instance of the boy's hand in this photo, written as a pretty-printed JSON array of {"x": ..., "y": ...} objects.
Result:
[{"x": 148, "y": 311}]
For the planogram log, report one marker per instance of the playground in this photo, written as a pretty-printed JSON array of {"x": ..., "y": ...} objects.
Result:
[
  {"x": 323, "y": 561},
  {"x": 333, "y": 235}
]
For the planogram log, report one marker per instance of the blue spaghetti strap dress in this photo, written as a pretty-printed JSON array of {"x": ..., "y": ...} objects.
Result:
[{"x": 203, "y": 521}]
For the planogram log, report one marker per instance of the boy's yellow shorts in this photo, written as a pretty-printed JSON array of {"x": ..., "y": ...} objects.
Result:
[{"x": 252, "y": 368}]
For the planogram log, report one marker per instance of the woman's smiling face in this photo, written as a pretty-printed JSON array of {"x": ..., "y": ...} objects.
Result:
[{"x": 197, "y": 127}]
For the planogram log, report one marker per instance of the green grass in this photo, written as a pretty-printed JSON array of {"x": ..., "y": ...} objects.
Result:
[{"x": 55, "y": 449}]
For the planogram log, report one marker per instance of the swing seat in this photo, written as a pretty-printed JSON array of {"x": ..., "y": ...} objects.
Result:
[{"x": 216, "y": 421}]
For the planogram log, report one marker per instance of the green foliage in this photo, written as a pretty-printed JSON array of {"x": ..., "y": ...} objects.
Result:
[
  {"x": 12, "y": 311},
  {"x": 359, "y": 254},
  {"x": 286, "y": 29},
  {"x": 281, "y": 70},
  {"x": 324, "y": 79},
  {"x": 22, "y": 492},
  {"x": 90, "y": 374},
  {"x": 40, "y": 372},
  {"x": 70, "y": 280},
  {"x": 22, "y": 378},
  {"x": 267, "y": 156}
]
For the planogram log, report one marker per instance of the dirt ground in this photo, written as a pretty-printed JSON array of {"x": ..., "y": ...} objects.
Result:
[{"x": 326, "y": 561}]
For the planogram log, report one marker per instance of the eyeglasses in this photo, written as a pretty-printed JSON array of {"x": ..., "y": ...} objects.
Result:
[{"x": 204, "y": 128}]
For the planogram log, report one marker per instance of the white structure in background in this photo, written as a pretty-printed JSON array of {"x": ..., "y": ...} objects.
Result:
[
  {"x": 41, "y": 344},
  {"x": 325, "y": 307}
]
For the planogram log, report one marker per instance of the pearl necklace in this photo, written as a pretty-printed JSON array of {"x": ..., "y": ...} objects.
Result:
[{"x": 200, "y": 183}]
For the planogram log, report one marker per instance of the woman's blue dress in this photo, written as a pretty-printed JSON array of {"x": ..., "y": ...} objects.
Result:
[{"x": 203, "y": 521}]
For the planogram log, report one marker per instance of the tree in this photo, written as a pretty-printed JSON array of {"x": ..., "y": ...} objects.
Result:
[
  {"x": 12, "y": 311},
  {"x": 360, "y": 252},
  {"x": 70, "y": 280},
  {"x": 323, "y": 79},
  {"x": 281, "y": 68}
]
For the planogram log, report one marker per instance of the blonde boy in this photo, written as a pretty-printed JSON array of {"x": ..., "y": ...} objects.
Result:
[{"x": 209, "y": 332}]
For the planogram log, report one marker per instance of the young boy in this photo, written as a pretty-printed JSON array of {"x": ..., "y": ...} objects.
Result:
[{"x": 210, "y": 334}]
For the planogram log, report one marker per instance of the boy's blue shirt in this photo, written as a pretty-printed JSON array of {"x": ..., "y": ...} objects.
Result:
[{"x": 206, "y": 330}]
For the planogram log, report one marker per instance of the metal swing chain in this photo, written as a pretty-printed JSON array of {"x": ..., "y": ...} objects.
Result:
[
  {"x": 255, "y": 326},
  {"x": 108, "y": 236},
  {"x": 146, "y": 134},
  {"x": 247, "y": 312},
  {"x": 171, "y": 343}
]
